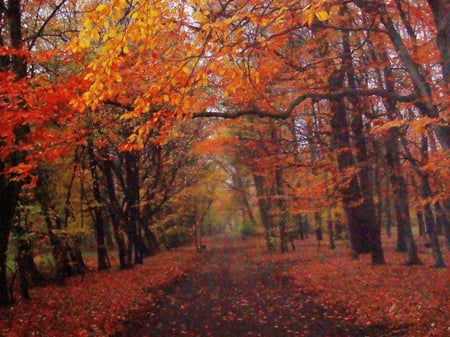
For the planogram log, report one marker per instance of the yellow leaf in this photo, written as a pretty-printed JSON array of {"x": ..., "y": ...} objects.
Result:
[
  {"x": 322, "y": 15},
  {"x": 100, "y": 7},
  {"x": 84, "y": 43}
]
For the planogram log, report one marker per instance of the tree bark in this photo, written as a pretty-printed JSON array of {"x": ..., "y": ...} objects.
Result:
[
  {"x": 114, "y": 213},
  {"x": 9, "y": 190},
  {"x": 368, "y": 217},
  {"x": 350, "y": 191},
  {"x": 428, "y": 213},
  {"x": 132, "y": 197},
  {"x": 263, "y": 205},
  {"x": 102, "y": 254}
]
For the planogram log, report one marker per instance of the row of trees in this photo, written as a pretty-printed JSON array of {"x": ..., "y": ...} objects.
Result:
[
  {"x": 345, "y": 105},
  {"x": 67, "y": 172}
]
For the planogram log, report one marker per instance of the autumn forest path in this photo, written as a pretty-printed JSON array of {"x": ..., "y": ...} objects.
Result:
[{"x": 232, "y": 294}]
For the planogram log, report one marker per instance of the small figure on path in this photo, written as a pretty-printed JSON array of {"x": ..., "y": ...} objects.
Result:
[{"x": 318, "y": 236}]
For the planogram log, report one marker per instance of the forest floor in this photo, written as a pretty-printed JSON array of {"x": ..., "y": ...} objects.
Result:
[
  {"x": 235, "y": 288},
  {"x": 240, "y": 291}
]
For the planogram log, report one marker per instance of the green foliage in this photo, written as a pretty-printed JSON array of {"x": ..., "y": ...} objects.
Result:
[
  {"x": 176, "y": 236},
  {"x": 247, "y": 230}
]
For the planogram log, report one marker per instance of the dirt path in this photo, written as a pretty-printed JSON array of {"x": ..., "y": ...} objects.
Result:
[{"x": 231, "y": 295}]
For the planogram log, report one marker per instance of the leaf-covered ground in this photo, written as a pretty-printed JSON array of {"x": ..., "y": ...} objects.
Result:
[
  {"x": 96, "y": 304},
  {"x": 413, "y": 299},
  {"x": 236, "y": 289},
  {"x": 236, "y": 294}
]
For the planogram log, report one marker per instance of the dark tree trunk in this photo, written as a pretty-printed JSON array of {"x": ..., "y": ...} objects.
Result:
[
  {"x": 22, "y": 251},
  {"x": 441, "y": 214},
  {"x": 9, "y": 191},
  {"x": 302, "y": 226},
  {"x": 8, "y": 199},
  {"x": 331, "y": 234},
  {"x": 421, "y": 222},
  {"x": 405, "y": 239},
  {"x": 132, "y": 196},
  {"x": 369, "y": 217},
  {"x": 387, "y": 208},
  {"x": 279, "y": 190},
  {"x": 427, "y": 194},
  {"x": 102, "y": 254},
  {"x": 440, "y": 219},
  {"x": 349, "y": 191},
  {"x": 264, "y": 211},
  {"x": 115, "y": 213},
  {"x": 281, "y": 210}
]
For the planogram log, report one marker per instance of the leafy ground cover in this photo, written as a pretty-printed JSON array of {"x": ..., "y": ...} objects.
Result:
[
  {"x": 237, "y": 286},
  {"x": 97, "y": 303},
  {"x": 234, "y": 293},
  {"x": 414, "y": 300}
]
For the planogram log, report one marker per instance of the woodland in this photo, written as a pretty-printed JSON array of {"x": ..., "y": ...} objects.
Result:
[{"x": 134, "y": 130}]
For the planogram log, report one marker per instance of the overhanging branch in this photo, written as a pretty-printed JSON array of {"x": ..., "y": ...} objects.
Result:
[{"x": 297, "y": 101}]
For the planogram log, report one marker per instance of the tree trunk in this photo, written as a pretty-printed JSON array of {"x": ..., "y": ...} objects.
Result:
[
  {"x": 9, "y": 190},
  {"x": 132, "y": 197},
  {"x": 440, "y": 219},
  {"x": 350, "y": 191},
  {"x": 114, "y": 213},
  {"x": 22, "y": 253},
  {"x": 368, "y": 216},
  {"x": 405, "y": 239},
  {"x": 263, "y": 205},
  {"x": 281, "y": 210},
  {"x": 331, "y": 234},
  {"x": 427, "y": 194},
  {"x": 421, "y": 222},
  {"x": 387, "y": 208},
  {"x": 102, "y": 254},
  {"x": 440, "y": 213}
]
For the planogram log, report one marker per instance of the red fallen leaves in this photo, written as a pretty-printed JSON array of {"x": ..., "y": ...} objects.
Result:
[
  {"x": 415, "y": 298},
  {"x": 96, "y": 304}
]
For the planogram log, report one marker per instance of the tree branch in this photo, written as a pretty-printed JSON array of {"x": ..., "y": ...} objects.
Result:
[
  {"x": 46, "y": 22},
  {"x": 297, "y": 101}
]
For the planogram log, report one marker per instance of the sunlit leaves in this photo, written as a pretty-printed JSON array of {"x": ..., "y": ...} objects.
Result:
[{"x": 315, "y": 10}]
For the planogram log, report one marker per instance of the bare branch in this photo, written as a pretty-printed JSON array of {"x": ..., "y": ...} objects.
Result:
[{"x": 316, "y": 96}]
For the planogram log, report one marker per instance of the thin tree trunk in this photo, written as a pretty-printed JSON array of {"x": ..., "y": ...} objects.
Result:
[
  {"x": 132, "y": 196},
  {"x": 115, "y": 213},
  {"x": 429, "y": 219},
  {"x": 387, "y": 209},
  {"x": 440, "y": 213},
  {"x": 102, "y": 257},
  {"x": 421, "y": 222}
]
